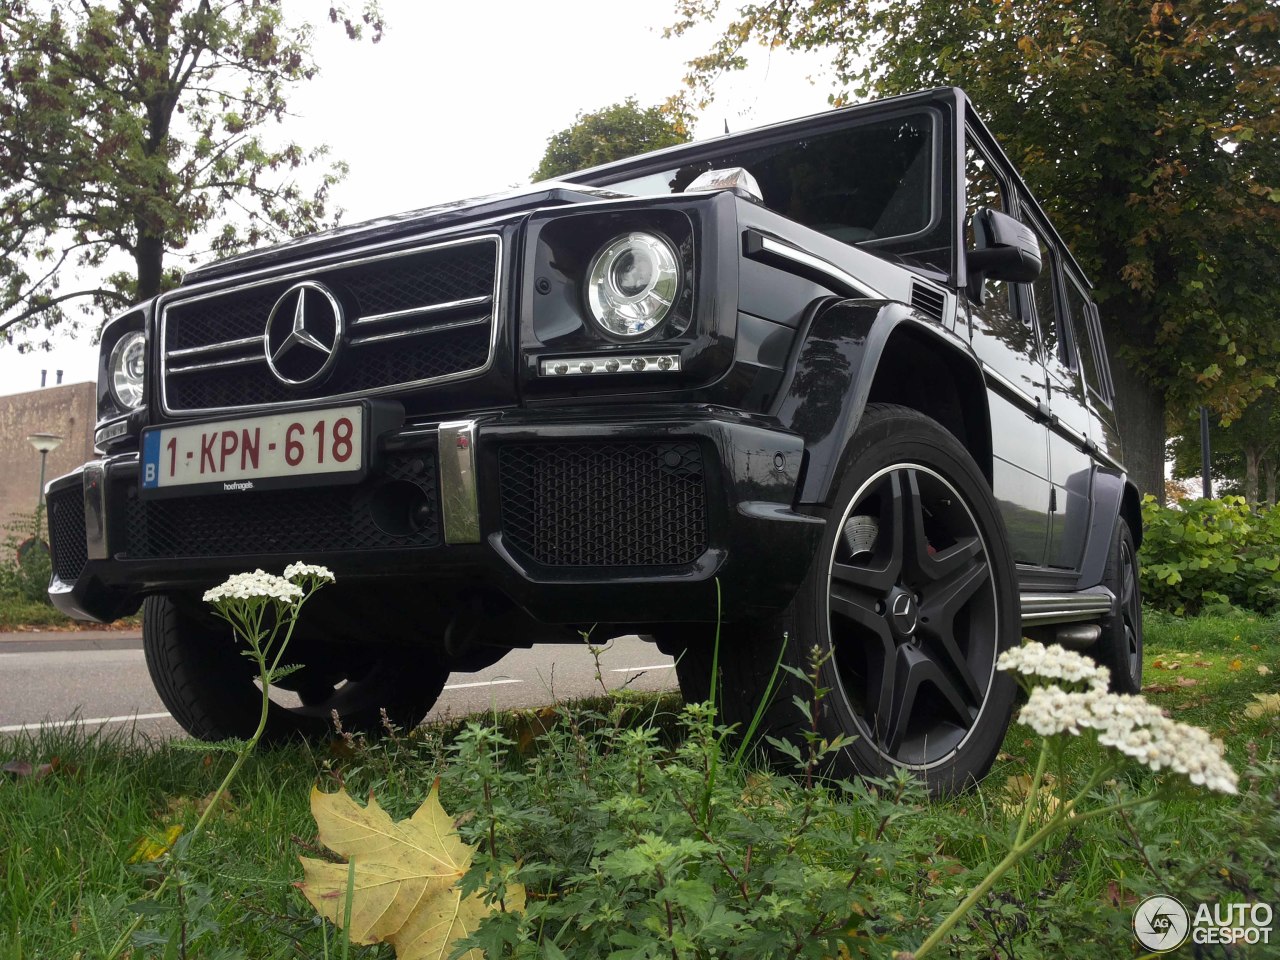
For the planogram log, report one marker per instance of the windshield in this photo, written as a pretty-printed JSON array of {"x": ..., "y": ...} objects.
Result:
[{"x": 872, "y": 184}]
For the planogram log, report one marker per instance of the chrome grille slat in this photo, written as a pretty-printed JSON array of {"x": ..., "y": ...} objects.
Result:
[
  {"x": 437, "y": 303},
  {"x": 418, "y": 331},
  {"x": 420, "y": 311},
  {"x": 255, "y": 342},
  {"x": 217, "y": 364}
]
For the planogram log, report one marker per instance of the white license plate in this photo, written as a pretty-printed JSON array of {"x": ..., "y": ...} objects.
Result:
[{"x": 279, "y": 450}]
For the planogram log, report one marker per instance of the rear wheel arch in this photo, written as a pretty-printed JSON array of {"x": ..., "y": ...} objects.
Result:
[{"x": 1131, "y": 512}]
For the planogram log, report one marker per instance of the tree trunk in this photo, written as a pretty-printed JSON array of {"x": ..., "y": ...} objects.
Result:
[
  {"x": 1270, "y": 468},
  {"x": 1252, "y": 459},
  {"x": 1140, "y": 410},
  {"x": 148, "y": 257}
]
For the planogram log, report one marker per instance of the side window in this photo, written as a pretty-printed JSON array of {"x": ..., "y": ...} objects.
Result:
[
  {"x": 1104, "y": 358},
  {"x": 1081, "y": 333},
  {"x": 983, "y": 188},
  {"x": 1046, "y": 306}
]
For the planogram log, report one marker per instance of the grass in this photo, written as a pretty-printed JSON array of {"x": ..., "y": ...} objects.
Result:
[
  {"x": 1199, "y": 846},
  {"x": 17, "y": 614},
  {"x": 66, "y": 837}
]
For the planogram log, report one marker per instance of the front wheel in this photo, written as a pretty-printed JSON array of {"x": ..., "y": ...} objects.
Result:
[
  {"x": 210, "y": 689},
  {"x": 908, "y": 602}
]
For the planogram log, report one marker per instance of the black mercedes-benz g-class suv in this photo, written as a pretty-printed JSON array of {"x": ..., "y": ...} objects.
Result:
[{"x": 833, "y": 383}]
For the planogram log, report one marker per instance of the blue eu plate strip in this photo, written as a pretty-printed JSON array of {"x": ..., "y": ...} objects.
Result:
[{"x": 151, "y": 460}]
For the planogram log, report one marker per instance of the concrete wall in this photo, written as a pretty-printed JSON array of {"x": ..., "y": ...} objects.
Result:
[{"x": 69, "y": 411}]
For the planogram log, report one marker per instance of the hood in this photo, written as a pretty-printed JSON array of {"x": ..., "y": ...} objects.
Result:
[{"x": 547, "y": 194}]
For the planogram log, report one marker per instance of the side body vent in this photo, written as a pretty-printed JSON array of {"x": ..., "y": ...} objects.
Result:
[{"x": 928, "y": 300}]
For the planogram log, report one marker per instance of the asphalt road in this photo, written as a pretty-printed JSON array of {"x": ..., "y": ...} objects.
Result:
[{"x": 101, "y": 681}]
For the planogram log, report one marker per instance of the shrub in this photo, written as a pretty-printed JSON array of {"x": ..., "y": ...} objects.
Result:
[
  {"x": 25, "y": 576},
  {"x": 1206, "y": 554}
]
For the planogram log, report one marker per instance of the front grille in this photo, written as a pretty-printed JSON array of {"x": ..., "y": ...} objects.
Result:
[
  {"x": 67, "y": 534},
  {"x": 293, "y": 522},
  {"x": 411, "y": 318},
  {"x": 585, "y": 504}
]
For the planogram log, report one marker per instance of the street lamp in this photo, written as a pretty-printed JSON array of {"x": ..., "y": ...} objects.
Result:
[{"x": 46, "y": 443}]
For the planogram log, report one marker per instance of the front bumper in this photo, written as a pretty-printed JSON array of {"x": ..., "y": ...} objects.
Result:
[{"x": 575, "y": 516}]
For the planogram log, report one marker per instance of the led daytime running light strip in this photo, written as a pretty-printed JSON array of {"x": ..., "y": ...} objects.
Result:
[{"x": 577, "y": 366}]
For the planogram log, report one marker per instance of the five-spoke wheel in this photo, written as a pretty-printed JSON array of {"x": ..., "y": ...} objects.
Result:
[
  {"x": 908, "y": 602},
  {"x": 912, "y": 614}
]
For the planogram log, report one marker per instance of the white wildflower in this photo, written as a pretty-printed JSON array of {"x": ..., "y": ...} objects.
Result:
[
  {"x": 301, "y": 571},
  {"x": 1051, "y": 710},
  {"x": 255, "y": 585},
  {"x": 1054, "y": 662},
  {"x": 1134, "y": 727}
]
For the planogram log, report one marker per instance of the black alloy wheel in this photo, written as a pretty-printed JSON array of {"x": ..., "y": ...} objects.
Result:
[
  {"x": 908, "y": 602},
  {"x": 211, "y": 689},
  {"x": 912, "y": 615},
  {"x": 1119, "y": 648}
]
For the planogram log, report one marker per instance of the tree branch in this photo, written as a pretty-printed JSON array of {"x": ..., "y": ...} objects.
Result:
[{"x": 30, "y": 312}]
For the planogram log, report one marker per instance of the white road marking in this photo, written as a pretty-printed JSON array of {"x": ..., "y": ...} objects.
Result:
[
  {"x": 479, "y": 683},
  {"x": 18, "y": 727},
  {"x": 656, "y": 666}
]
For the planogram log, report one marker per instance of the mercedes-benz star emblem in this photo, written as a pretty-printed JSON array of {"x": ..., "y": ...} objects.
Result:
[
  {"x": 905, "y": 617},
  {"x": 303, "y": 334}
]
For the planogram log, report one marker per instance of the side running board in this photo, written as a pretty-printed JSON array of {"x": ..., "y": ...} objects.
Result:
[{"x": 1040, "y": 609}]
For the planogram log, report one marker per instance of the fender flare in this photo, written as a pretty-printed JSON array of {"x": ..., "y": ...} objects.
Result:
[
  {"x": 829, "y": 382},
  {"x": 1115, "y": 500}
]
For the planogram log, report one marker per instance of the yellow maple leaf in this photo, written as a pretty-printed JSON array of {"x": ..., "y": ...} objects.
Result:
[
  {"x": 407, "y": 872},
  {"x": 1267, "y": 705},
  {"x": 1235, "y": 664},
  {"x": 153, "y": 848},
  {"x": 1016, "y": 793}
]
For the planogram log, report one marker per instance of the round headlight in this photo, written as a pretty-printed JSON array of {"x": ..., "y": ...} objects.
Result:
[
  {"x": 128, "y": 361},
  {"x": 633, "y": 283}
]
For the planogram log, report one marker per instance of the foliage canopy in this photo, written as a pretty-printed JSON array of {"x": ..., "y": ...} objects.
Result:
[
  {"x": 1151, "y": 131},
  {"x": 129, "y": 128},
  {"x": 610, "y": 133},
  {"x": 1243, "y": 452}
]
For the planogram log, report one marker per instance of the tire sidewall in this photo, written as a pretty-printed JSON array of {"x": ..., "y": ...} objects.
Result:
[
  {"x": 1113, "y": 645},
  {"x": 197, "y": 668},
  {"x": 889, "y": 436}
]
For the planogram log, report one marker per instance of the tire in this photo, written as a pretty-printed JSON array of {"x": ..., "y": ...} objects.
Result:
[
  {"x": 691, "y": 646},
  {"x": 1119, "y": 648},
  {"x": 908, "y": 602},
  {"x": 209, "y": 688}
]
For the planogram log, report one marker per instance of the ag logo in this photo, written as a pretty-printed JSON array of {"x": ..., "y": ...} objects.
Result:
[{"x": 1160, "y": 923}]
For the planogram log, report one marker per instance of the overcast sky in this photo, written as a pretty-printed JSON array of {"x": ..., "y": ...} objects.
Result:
[{"x": 459, "y": 100}]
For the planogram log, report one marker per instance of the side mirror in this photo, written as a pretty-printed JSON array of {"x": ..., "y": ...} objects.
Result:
[{"x": 1006, "y": 250}]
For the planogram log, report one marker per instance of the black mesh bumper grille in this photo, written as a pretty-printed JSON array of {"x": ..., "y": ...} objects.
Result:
[
  {"x": 295, "y": 522},
  {"x": 67, "y": 534},
  {"x": 411, "y": 317},
  {"x": 584, "y": 504}
]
